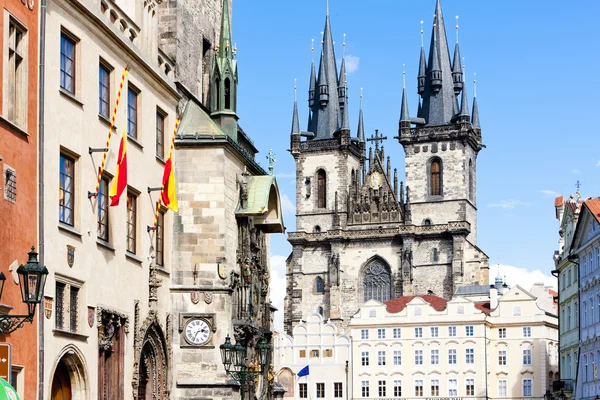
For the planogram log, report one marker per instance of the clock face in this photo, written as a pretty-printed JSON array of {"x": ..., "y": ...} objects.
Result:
[
  {"x": 376, "y": 180},
  {"x": 197, "y": 332}
]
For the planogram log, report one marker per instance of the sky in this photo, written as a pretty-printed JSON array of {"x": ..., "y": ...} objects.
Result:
[{"x": 536, "y": 64}]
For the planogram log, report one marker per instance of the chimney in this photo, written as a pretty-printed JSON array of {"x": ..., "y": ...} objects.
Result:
[{"x": 493, "y": 297}]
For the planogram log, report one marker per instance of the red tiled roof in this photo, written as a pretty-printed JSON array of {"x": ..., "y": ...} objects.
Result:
[
  {"x": 559, "y": 201},
  {"x": 483, "y": 306},
  {"x": 594, "y": 206},
  {"x": 398, "y": 304}
]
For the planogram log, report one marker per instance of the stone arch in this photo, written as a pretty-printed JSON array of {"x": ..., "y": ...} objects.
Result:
[
  {"x": 70, "y": 365},
  {"x": 151, "y": 366},
  {"x": 375, "y": 280},
  {"x": 286, "y": 377}
]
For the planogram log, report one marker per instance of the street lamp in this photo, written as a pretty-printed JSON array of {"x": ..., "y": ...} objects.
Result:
[
  {"x": 32, "y": 279},
  {"x": 234, "y": 360}
]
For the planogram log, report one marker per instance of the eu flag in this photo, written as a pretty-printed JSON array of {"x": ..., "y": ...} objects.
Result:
[{"x": 303, "y": 371}]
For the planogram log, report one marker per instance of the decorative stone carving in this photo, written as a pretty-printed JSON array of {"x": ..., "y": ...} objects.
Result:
[{"x": 108, "y": 322}]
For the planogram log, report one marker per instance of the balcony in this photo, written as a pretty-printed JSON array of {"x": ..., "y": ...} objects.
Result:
[{"x": 566, "y": 385}]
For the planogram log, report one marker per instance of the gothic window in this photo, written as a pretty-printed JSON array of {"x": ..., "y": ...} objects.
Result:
[
  {"x": 435, "y": 255},
  {"x": 319, "y": 284},
  {"x": 227, "y": 93},
  {"x": 427, "y": 222},
  {"x": 321, "y": 189},
  {"x": 377, "y": 282},
  {"x": 317, "y": 229},
  {"x": 435, "y": 178}
]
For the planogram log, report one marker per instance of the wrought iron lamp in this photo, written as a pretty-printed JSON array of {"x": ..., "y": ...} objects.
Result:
[
  {"x": 32, "y": 279},
  {"x": 234, "y": 360}
]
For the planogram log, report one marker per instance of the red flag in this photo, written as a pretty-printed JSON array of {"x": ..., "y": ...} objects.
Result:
[
  {"x": 120, "y": 180},
  {"x": 168, "y": 195}
]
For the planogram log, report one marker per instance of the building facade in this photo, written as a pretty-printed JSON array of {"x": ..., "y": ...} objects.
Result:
[
  {"x": 18, "y": 163},
  {"x": 107, "y": 326},
  {"x": 360, "y": 233},
  {"x": 586, "y": 248},
  {"x": 228, "y": 207},
  {"x": 567, "y": 213},
  {"x": 425, "y": 346},
  {"x": 318, "y": 344}
]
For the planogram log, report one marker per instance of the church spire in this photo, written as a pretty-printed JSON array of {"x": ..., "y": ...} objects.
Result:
[
  {"x": 361, "y": 127},
  {"x": 225, "y": 50},
  {"x": 404, "y": 115},
  {"x": 313, "y": 78},
  {"x": 295, "y": 120},
  {"x": 475, "y": 113},
  {"x": 464, "y": 106},
  {"x": 457, "y": 73},
  {"x": 342, "y": 79},
  {"x": 438, "y": 94},
  {"x": 422, "y": 67}
]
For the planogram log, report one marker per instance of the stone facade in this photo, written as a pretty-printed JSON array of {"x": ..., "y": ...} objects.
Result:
[{"x": 354, "y": 217}]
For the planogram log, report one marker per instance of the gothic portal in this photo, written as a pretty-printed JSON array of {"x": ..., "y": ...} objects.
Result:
[{"x": 362, "y": 234}]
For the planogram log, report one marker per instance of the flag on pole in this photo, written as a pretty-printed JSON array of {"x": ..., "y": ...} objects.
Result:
[
  {"x": 168, "y": 195},
  {"x": 304, "y": 371},
  {"x": 120, "y": 181}
]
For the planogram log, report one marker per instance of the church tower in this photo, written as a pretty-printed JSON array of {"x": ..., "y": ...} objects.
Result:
[{"x": 360, "y": 233}]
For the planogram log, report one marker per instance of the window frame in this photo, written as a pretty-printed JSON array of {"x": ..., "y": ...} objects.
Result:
[
  {"x": 321, "y": 188},
  {"x": 381, "y": 357},
  {"x": 397, "y": 357},
  {"x": 452, "y": 331},
  {"x": 159, "y": 240},
  {"x": 108, "y": 69},
  {"x": 435, "y": 356},
  {"x": 73, "y": 58},
  {"x": 320, "y": 390},
  {"x": 382, "y": 388},
  {"x": 161, "y": 116},
  {"x": 319, "y": 285},
  {"x": 434, "y": 384},
  {"x": 103, "y": 202},
  {"x": 419, "y": 387},
  {"x": 452, "y": 356},
  {"x": 131, "y": 222},
  {"x": 530, "y": 387},
  {"x": 338, "y": 390},
  {"x": 501, "y": 333},
  {"x": 132, "y": 90},
  {"x": 469, "y": 330},
  {"x": 380, "y": 333},
  {"x": 364, "y": 334},
  {"x": 364, "y": 388},
  {"x": 397, "y": 332},
  {"x": 527, "y": 356},
  {"x": 419, "y": 356},
  {"x": 303, "y": 390},
  {"x": 15, "y": 75},
  {"x": 502, "y": 357},
  {"x": 69, "y": 314},
  {"x": 470, "y": 355},
  {"x": 62, "y": 189},
  {"x": 435, "y": 177}
]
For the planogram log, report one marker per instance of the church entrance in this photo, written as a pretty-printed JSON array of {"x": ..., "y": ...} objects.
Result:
[
  {"x": 152, "y": 372},
  {"x": 61, "y": 384}
]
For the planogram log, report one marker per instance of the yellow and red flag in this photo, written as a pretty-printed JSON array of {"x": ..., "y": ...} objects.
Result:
[
  {"x": 120, "y": 181},
  {"x": 168, "y": 195}
]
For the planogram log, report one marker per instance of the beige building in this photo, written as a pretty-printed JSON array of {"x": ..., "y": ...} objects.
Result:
[
  {"x": 425, "y": 346},
  {"x": 318, "y": 344},
  {"x": 107, "y": 327}
]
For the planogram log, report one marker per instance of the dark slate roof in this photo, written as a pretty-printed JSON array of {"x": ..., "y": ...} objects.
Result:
[{"x": 472, "y": 290}]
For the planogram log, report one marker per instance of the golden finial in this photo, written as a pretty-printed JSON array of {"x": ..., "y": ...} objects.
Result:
[
  {"x": 227, "y": 44},
  {"x": 457, "y": 29},
  {"x": 234, "y": 48}
]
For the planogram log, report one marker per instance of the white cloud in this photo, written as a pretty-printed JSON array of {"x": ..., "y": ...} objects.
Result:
[
  {"x": 508, "y": 204},
  {"x": 351, "y": 63},
  {"x": 521, "y": 276},
  {"x": 549, "y": 193},
  {"x": 286, "y": 205},
  {"x": 575, "y": 171},
  {"x": 278, "y": 288},
  {"x": 598, "y": 164}
]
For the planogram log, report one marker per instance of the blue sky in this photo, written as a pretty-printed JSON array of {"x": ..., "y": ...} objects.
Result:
[{"x": 537, "y": 91}]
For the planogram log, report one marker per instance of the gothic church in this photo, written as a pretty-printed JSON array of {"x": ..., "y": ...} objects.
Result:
[{"x": 360, "y": 233}]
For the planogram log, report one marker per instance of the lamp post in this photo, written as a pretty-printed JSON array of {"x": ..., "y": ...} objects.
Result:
[
  {"x": 32, "y": 279},
  {"x": 234, "y": 360}
]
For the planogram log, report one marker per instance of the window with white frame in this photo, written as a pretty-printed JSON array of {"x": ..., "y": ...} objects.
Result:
[
  {"x": 303, "y": 390},
  {"x": 397, "y": 333},
  {"x": 526, "y": 356},
  {"x": 418, "y": 332},
  {"x": 470, "y": 356},
  {"x": 516, "y": 311},
  {"x": 527, "y": 387},
  {"x": 418, "y": 388},
  {"x": 418, "y": 357},
  {"x": 452, "y": 331},
  {"x": 502, "y": 388},
  {"x": 364, "y": 334},
  {"x": 502, "y": 357},
  {"x": 67, "y": 306},
  {"x": 364, "y": 357},
  {"x": 452, "y": 387},
  {"x": 470, "y": 387},
  {"x": 435, "y": 356},
  {"x": 434, "y": 331},
  {"x": 469, "y": 330},
  {"x": 381, "y": 388},
  {"x": 15, "y": 72},
  {"x": 320, "y": 390},
  {"x": 364, "y": 388},
  {"x": 397, "y": 388},
  {"x": 380, "y": 333},
  {"x": 526, "y": 331},
  {"x": 381, "y": 357},
  {"x": 397, "y": 357},
  {"x": 451, "y": 356},
  {"x": 338, "y": 391},
  {"x": 435, "y": 387}
]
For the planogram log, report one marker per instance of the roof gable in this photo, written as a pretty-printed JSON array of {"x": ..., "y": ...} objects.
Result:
[{"x": 588, "y": 225}]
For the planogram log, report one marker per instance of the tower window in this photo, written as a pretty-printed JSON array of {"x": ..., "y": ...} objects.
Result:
[
  {"x": 435, "y": 257},
  {"x": 227, "y": 94},
  {"x": 321, "y": 189},
  {"x": 435, "y": 179},
  {"x": 319, "y": 284},
  {"x": 427, "y": 222}
]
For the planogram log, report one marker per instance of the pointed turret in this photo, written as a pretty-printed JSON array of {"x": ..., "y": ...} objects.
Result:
[
  {"x": 322, "y": 84},
  {"x": 422, "y": 72},
  {"x": 475, "y": 113},
  {"x": 345, "y": 126},
  {"x": 295, "y": 120},
  {"x": 361, "y": 127},
  {"x": 457, "y": 73},
  {"x": 313, "y": 85},
  {"x": 464, "y": 107},
  {"x": 404, "y": 116},
  {"x": 342, "y": 84},
  {"x": 225, "y": 79},
  {"x": 438, "y": 95}
]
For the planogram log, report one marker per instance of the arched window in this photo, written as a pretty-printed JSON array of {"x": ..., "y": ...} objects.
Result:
[
  {"x": 377, "y": 282},
  {"x": 435, "y": 179},
  {"x": 321, "y": 189},
  {"x": 434, "y": 255},
  {"x": 227, "y": 94},
  {"x": 317, "y": 229},
  {"x": 321, "y": 310},
  {"x": 427, "y": 222},
  {"x": 319, "y": 284}
]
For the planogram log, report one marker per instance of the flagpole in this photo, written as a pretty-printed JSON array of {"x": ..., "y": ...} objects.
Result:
[
  {"x": 110, "y": 129},
  {"x": 157, "y": 212}
]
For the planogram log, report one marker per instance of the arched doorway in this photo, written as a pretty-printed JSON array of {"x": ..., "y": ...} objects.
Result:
[
  {"x": 61, "y": 384},
  {"x": 152, "y": 372}
]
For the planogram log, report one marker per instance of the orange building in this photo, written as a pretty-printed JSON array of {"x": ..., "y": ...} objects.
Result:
[{"x": 18, "y": 186}]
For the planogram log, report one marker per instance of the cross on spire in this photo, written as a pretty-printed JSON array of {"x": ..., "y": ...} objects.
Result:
[
  {"x": 271, "y": 158},
  {"x": 578, "y": 185},
  {"x": 377, "y": 138}
]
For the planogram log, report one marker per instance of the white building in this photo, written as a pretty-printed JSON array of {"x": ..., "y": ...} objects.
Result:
[
  {"x": 425, "y": 346},
  {"x": 586, "y": 248},
  {"x": 318, "y": 344}
]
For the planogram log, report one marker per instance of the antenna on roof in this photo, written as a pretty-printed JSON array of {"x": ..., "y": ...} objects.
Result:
[{"x": 457, "y": 29}]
